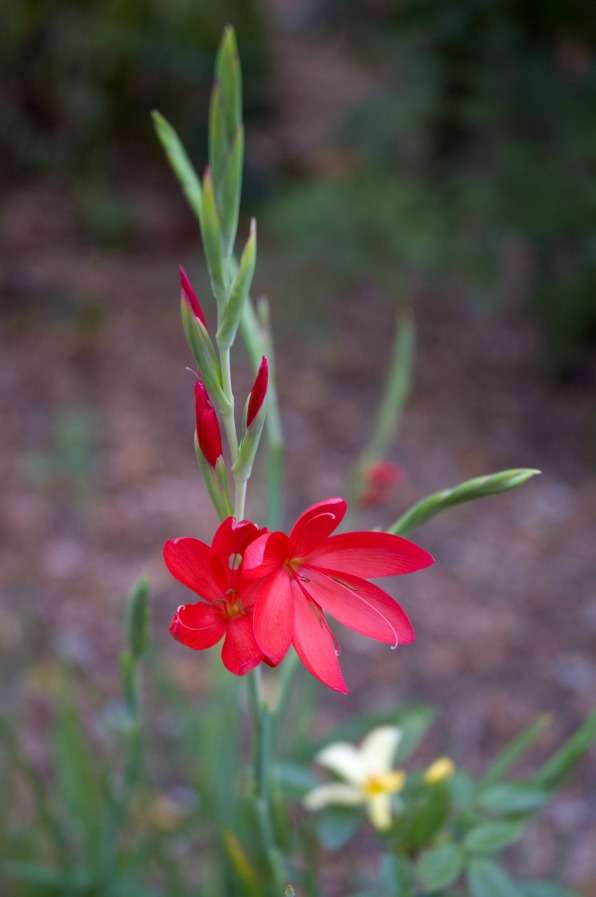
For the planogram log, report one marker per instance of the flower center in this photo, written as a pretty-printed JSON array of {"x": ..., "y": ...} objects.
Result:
[
  {"x": 384, "y": 783},
  {"x": 233, "y": 607},
  {"x": 293, "y": 565}
]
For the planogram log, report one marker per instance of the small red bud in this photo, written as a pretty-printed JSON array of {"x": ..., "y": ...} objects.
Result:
[
  {"x": 190, "y": 296},
  {"x": 258, "y": 391},
  {"x": 378, "y": 481},
  {"x": 208, "y": 433}
]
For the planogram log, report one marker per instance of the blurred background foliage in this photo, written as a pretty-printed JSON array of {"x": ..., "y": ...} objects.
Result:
[
  {"x": 479, "y": 139},
  {"x": 80, "y": 78},
  {"x": 126, "y": 809},
  {"x": 80, "y": 74},
  {"x": 479, "y": 120}
]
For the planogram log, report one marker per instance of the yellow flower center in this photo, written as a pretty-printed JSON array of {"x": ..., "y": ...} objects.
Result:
[
  {"x": 384, "y": 783},
  {"x": 233, "y": 607}
]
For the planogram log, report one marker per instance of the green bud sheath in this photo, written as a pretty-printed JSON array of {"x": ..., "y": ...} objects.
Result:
[
  {"x": 212, "y": 243},
  {"x": 204, "y": 355},
  {"x": 216, "y": 481},
  {"x": 249, "y": 444},
  {"x": 234, "y": 307}
]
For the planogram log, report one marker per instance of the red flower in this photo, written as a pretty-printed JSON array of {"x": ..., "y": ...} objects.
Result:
[
  {"x": 378, "y": 481},
  {"x": 208, "y": 432},
  {"x": 215, "y": 574},
  {"x": 258, "y": 391},
  {"x": 190, "y": 296},
  {"x": 310, "y": 573}
]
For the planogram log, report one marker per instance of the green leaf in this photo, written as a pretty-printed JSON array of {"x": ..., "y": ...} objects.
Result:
[
  {"x": 129, "y": 682},
  {"x": 335, "y": 826},
  {"x": 490, "y": 837},
  {"x": 218, "y": 142},
  {"x": 43, "y": 798},
  {"x": 395, "y": 394},
  {"x": 137, "y": 620},
  {"x": 514, "y": 750},
  {"x": 555, "y": 770},
  {"x": 396, "y": 876},
  {"x": 438, "y": 867},
  {"x": 226, "y": 138},
  {"x": 233, "y": 310},
  {"x": 79, "y": 780},
  {"x": 470, "y": 490},
  {"x": 229, "y": 81},
  {"x": 513, "y": 798},
  {"x": 179, "y": 162},
  {"x": 231, "y": 191},
  {"x": 46, "y": 878},
  {"x": 414, "y": 725},
  {"x": 226, "y": 157},
  {"x": 295, "y": 779},
  {"x": 545, "y": 889},
  {"x": 212, "y": 239},
  {"x": 463, "y": 789},
  {"x": 425, "y": 816},
  {"x": 487, "y": 879}
]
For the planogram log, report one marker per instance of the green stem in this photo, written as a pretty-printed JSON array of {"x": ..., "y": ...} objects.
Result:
[
  {"x": 258, "y": 340},
  {"x": 239, "y": 498},
  {"x": 262, "y": 772},
  {"x": 286, "y": 677},
  {"x": 395, "y": 394},
  {"x": 228, "y": 418}
]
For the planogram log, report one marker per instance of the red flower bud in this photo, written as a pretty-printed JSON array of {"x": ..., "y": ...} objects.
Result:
[
  {"x": 258, "y": 391},
  {"x": 190, "y": 296},
  {"x": 378, "y": 481},
  {"x": 208, "y": 433}
]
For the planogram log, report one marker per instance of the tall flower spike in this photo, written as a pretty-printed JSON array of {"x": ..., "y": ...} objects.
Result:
[
  {"x": 190, "y": 296},
  {"x": 208, "y": 433},
  {"x": 258, "y": 391}
]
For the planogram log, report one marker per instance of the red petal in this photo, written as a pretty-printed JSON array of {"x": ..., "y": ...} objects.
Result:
[
  {"x": 273, "y": 616},
  {"x": 265, "y": 555},
  {"x": 258, "y": 391},
  {"x": 191, "y": 296},
  {"x": 359, "y": 605},
  {"x": 208, "y": 432},
  {"x": 232, "y": 538},
  {"x": 197, "y": 626},
  {"x": 240, "y": 652},
  {"x": 189, "y": 561},
  {"x": 315, "y": 524},
  {"x": 315, "y": 645},
  {"x": 370, "y": 554}
]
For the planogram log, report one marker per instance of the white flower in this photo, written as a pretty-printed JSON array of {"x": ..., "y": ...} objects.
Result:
[{"x": 367, "y": 773}]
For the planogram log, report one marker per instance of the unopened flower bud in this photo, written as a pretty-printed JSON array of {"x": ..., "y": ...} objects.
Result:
[
  {"x": 258, "y": 392},
  {"x": 190, "y": 296},
  {"x": 442, "y": 768},
  {"x": 378, "y": 481},
  {"x": 208, "y": 433}
]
